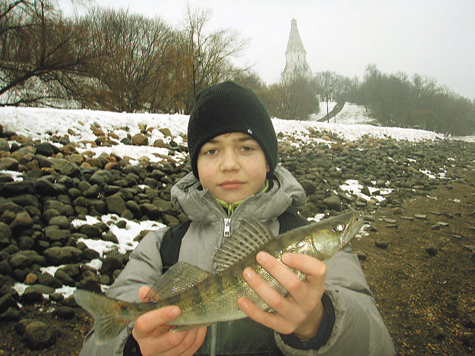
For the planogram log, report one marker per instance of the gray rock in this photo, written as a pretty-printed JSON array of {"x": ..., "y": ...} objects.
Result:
[
  {"x": 54, "y": 234},
  {"x": 70, "y": 169},
  {"x": 381, "y": 244},
  {"x": 432, "y": 250},
  {"x": 64, "y": 278},
  {"x": 63, "y": 255},
  {"x": 46, "y": 188},
  {"x": 115, "y": 204},
  {"x": 5, "y": 231},
  {"x": 91, "y": 231},
  {"x": 9, "y": 164},
  {"x": 38, "y": 335},
  {"x": 61, "y": 221},
  {"x": 50, "y": 281},
  {"x": 6, "y": 302},
  {"x": 333, "y": 202}
]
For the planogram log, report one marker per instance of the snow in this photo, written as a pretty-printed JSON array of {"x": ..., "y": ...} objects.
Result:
[{"x": 41, "y": 124}]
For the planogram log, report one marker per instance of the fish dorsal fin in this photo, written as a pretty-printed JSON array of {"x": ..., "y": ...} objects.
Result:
[
  {"x": 248, "y": 238},
  {"x": 179, "y": 277}
]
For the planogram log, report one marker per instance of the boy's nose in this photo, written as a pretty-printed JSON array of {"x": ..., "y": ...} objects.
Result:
[{"x": 229, "y": 161}]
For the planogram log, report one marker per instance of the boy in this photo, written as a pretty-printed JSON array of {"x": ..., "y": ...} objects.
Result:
[{"x": 233, "y": 151}]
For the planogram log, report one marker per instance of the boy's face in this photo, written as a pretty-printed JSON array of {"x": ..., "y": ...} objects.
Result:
[{"x": 232, "y": 166}]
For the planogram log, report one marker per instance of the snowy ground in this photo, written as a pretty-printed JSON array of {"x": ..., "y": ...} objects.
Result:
[{"x": 351, "y": 124}]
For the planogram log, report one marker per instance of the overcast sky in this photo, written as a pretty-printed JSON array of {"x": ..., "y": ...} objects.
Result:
[{"x": 434, "y": 38}]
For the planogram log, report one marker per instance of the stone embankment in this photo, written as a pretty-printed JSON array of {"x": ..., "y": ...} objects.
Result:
[{"x": 59, "y": 185}]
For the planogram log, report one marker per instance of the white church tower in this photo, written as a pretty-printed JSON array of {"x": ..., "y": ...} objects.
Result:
[{"x": 295, "y": 55}]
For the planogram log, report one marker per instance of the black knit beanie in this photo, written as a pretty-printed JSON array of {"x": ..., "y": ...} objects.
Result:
[{"x": 230, "y": 107}]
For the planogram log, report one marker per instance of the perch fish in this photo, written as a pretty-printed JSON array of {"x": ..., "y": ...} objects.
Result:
[{"x": 205, "y": 298}]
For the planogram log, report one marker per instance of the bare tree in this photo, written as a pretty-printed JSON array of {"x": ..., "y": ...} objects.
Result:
[
  {"x": 132, "y": 63},
  {"x": 42, "y": 54},
  {"x": 205, "y": 57}
]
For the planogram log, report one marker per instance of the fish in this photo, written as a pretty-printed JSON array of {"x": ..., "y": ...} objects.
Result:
[{"x": 207, "y": 298}]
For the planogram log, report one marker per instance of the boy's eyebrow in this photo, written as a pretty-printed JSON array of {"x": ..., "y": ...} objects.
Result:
[{"x": 243, "y": 138}]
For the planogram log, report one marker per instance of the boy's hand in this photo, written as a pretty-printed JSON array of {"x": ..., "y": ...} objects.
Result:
[
  {"x": 302, "y": 311},
  {"x": 155, "y": 338}
]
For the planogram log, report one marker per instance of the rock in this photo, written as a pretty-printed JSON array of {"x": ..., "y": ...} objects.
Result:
[
  {"x": 11, "y": 314},
  {"x": 366, "y": 191},
  {"x": 34, "y": 294},
  {"x": 46, "y": 188},
  {"x": 6, "y": 302},
  {"x": 46, "y": 149},
  {"x": 470, "y": 323},
  {"x": 333, "y": 202},
  {"x": 54, "y": 234},
  {"x": 437, "y": 333},
  {"x": 151, "y": 210},
  {"x": 115, "y": 204},
  {"x": 30, "y": 279},
  {"x": 70, "y": 169},
  {"x": 381, "y": 244},
  {"x": 62, "y": 255},
  {"x": 361, "y": 255},
  {"x": 469, "y": 340},
  {"x": 4, "y": 145},
  {"x": 50, "y": 281},
  {"x": 13, "y": 188},
  {"x": 110, "y": 236},
  {"x": 64, "y": 312},
  {"x": 19, "y": 261},
  {"x": 166, "y": 132},
  {"x": 38, "y": 335},
  {"x": 5, "y": 231},
  {"x": 9, "y": 164},
  {"x": 91, "y": 231},
  {"x": 110, "y": 264},
  {"x": 61, "y": 221},
  {"x": 420, "y": 216},
  {"x": 432, "y": 250},
  {"x": 139, "y": 140}
]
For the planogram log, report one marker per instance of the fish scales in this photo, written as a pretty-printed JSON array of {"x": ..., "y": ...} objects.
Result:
[{"x": 206, "y": 298}]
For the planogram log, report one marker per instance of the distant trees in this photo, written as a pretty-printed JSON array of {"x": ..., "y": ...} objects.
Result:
[
  {"x": 109, "y": 59},
  {"x": 396, "y": 100}
]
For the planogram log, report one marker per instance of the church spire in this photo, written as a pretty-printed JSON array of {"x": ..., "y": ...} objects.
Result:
[{"x": 295, "y": 54}]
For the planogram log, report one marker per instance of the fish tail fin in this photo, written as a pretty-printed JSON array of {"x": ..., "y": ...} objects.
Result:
[{"x": 111, "y": 316}]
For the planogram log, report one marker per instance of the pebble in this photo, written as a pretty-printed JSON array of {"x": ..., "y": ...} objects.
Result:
[
  {"x": 420, "y": 216},
  {"x": 381, "y": 244},
  {"x": 432, "y": 250}
]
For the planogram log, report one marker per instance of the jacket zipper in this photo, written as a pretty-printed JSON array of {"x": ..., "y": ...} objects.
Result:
[{"x": 227, "y": 227}]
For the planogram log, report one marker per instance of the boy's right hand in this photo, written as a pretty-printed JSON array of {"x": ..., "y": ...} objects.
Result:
[{"x": 155, "y": 338}]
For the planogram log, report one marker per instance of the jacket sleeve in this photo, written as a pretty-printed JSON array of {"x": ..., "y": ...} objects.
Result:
[
  {"x": 358, "y": 327},
  {"x": 144, "y": 268}
]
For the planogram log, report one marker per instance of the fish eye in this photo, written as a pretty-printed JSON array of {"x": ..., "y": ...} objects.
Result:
[{"x": 339, "y": 227}]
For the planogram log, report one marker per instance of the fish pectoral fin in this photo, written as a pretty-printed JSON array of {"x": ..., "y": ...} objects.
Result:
[
  {"x": 247, "y": 239},
  {"x": 178, "y": 278}
]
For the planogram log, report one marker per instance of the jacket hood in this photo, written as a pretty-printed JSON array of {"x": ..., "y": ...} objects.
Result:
[{"x": 200, "y": 205}]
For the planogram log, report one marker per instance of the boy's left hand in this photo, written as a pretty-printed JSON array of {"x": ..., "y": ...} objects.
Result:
[{"x": 301, "y": 311}]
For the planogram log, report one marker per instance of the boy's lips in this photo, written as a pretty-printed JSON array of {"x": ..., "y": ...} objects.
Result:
[{"x": 231, "y": 184}]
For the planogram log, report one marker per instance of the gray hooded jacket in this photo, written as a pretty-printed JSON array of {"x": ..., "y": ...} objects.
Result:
[{"x": 358, "y": 328}]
